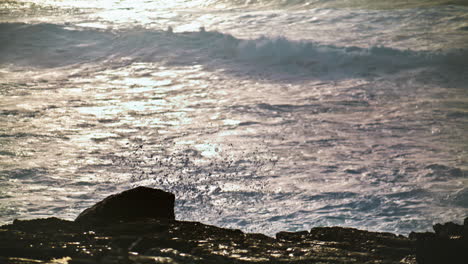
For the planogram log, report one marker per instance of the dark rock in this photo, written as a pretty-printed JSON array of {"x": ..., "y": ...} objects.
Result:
[
  {"x": 346, "y": 234},
  {"x": 160, "y": 241},
  {"x": 292, "y": 236},
  {"x": 373, "y": 243},
  {"x": 420, "y": 236},
  {"x": 449, "y": 244},
  {"x": 27, "y": 225},
  {"x": 448, "y": 229},
  {"x": 138, "y": 226},
  {"x": 440, "y": 250},
  {"x": 135, "y": 204}
]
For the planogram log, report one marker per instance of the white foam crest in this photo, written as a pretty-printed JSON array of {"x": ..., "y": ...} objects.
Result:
[
  {"x": 49, "y": 45},
  {"x": 383, "y": 4}
]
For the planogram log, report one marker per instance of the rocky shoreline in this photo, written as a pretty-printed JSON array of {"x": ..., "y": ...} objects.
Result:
[{"x": 122, "y": 229}]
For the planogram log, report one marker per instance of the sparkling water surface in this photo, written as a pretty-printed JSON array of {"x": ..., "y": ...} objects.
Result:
[{"x": 258, "y": 115}]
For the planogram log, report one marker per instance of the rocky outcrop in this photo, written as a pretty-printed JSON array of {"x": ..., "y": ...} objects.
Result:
[
  {"x": 447, "y": 244},
  {"x": 160, "y": 241},
  {"x": 135, "y": 204},
  {"x": 101, "y": 235}
]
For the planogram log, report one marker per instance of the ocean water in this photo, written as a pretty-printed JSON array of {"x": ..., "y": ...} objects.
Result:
[{"x": 263, "y": 115}]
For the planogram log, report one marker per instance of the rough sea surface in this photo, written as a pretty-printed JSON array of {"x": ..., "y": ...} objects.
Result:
[{"x": 262, "y": 115}]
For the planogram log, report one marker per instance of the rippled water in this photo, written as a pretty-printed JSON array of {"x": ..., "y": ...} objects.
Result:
[{"x": 260, "y": 115}]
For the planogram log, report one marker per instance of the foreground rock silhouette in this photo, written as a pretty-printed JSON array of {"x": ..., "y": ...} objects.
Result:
[
  {"x": 448, "y": 244},
  {"x": 156, "y": 237},
  {"x": 135, "y": 204}
]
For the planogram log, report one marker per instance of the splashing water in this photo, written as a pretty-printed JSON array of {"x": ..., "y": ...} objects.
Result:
[{"x": 258, "y": 115}]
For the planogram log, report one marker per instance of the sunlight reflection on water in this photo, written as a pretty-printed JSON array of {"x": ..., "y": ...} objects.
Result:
[{"x": 264, "y": 133}]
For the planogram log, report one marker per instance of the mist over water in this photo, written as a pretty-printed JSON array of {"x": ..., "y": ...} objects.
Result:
[{"x": 258, "y": 115}]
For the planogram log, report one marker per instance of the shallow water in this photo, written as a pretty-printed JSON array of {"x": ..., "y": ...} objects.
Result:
[{"x": 265, "y": 116}]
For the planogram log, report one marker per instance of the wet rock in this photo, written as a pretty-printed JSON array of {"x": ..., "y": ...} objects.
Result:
[
  {"x": 448, "y": 244},
  {"x": 138, "y": 226},
  {"x": 420, "y": 236},
  {"x": 135, "y": 204},
  {"x": 374, "y": 244},
  {"x": 439, "y": 250},
  {"x": 292, "y": 236},
  {"x": 449, "y": 229},
  {"x": 27, "y": 225},
  {"x": 159, "y": 241}
]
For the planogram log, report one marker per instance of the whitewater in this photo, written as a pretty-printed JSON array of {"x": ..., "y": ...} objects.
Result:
[{"x": 265, "y": 116}]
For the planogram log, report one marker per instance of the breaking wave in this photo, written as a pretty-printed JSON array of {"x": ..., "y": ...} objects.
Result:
[
  {"x": 337, "y": 3},
  {"x": 51, "y": 45}
]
